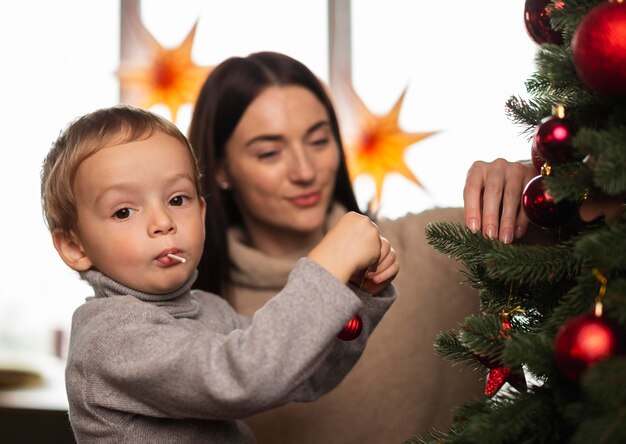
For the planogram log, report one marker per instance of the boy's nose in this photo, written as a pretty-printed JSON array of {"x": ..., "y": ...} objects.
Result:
[{"x": 161, "y": 223}]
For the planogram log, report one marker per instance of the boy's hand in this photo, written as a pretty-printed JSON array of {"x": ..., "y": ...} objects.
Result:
[
  {"x": 379, "y": 276},
  {"x": 353, "y": 244}
]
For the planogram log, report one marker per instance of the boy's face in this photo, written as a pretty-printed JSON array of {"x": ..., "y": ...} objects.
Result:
[{"x": 137, "y": 202}]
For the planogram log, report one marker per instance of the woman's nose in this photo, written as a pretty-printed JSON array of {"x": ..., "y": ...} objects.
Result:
[
  {"x": 161, "y": 222},
  {"x": 302, "y": 167}
]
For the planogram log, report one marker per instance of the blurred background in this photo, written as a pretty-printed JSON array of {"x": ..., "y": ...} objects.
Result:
[{"x": 458, "y": 61}]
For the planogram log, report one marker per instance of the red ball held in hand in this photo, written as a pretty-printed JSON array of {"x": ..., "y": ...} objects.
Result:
[
  {"x": 553, "y": 139},
  {"x": 599, "y": 49},
  {"x": 352, "y": 329},
  {"x": 541, "y": 208},
  {"x": 537, "y": 21},
  {"x": 585, "y": 340}
]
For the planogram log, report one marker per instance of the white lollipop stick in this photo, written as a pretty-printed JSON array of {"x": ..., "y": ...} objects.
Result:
[{"x": 178, "y": 258}]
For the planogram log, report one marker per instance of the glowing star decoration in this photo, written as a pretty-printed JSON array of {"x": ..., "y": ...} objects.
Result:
[
  {"x": 161, "y": 75},
  {"x": 377, "y": 145}
]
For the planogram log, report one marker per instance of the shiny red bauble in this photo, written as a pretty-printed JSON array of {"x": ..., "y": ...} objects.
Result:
[
  {"x": 352, "y": 329},
  {"x": 599, "y": 49},
  {"x": 537, "y": 21},
  {"x": 584, "y": 340},
  {"x": 541, "y": 208},
  {"x": 553, "y": 139}
]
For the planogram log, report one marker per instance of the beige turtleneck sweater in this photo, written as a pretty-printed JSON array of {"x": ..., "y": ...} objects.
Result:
[{"x": 400, "y": 387}]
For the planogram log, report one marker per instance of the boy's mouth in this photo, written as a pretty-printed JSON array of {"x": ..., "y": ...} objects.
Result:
[{"x": 171, "y": 256}]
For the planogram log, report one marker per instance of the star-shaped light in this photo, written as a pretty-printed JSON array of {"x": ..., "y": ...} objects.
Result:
[
  {"x": 377, "y": 146},
  {"x": 160, "y": 75}
]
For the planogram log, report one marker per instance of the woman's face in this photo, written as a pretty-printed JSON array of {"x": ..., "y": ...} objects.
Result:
[{"x": 281, "y": 163}]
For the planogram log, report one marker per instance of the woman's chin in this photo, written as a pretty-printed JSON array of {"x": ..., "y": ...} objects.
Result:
[{"x": 310, "y": 221}]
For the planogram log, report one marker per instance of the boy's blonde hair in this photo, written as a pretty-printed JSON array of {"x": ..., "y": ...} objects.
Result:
[{"x": 84, "y": 137}]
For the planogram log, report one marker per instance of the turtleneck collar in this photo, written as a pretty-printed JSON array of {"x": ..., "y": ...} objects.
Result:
[
  {"x": 254, "y": 269},
  {"x": 179, "y": 303}
]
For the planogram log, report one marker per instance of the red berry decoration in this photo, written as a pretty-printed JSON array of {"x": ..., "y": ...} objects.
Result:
[
  {"x": 541, "y": 208},
  {"x": 537, "y": 21},
  {"x": 553, "y": 139},
  {"x": 599, "y": 49},
  {"x": 352, "y": 329},
  {"x": 585, "y": 340}
]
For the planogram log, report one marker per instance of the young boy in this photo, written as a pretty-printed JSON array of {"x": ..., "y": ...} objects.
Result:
[{"x": 151, "y": 360}]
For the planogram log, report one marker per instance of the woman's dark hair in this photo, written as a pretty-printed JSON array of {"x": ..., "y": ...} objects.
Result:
[{"x": 228, "y": 91}]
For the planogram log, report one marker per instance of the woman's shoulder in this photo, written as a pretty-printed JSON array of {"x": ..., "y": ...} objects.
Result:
[{"x": 415, "y": 223}]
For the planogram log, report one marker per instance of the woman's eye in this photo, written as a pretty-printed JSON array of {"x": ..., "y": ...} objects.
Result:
[
  {"x": 321, "y": 142},
  {"x": 267, "y": 155},
  {"x": 177, "y": 201},
  {"x": 123, "y": 213}
]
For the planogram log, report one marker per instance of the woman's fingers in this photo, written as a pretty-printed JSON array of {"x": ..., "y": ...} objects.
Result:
[
  {"x": 513, "y": 222},
  {"x": 492, "y": 197},
  {"x": 472, "y": 195}
]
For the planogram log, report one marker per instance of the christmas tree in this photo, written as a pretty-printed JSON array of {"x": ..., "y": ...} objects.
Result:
[{"x": 550, "y": 338}]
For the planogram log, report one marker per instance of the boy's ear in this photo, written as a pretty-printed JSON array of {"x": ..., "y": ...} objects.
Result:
[
  {"x": 203, "y": 207},
  {"x": 71, "y": 251}
]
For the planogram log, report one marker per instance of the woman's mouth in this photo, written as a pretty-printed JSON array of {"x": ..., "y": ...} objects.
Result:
[{"x": 306, "y": 200}]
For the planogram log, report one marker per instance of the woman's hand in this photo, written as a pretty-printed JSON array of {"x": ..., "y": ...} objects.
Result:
[{"x": 492, "y": 197}]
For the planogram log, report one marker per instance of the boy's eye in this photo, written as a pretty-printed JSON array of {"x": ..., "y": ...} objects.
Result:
[
  {"x": 123, "y": 213},
  {"x": 177, "y": 201}
]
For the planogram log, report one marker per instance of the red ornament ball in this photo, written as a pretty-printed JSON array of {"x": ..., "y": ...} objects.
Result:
[
  {"x": 584, "y": 340},
  {"x": 352, "y": 329},
  {"x": 537, "y": 21},
  {"x": 541, "y": 208},
  {"x": 553, "y": 139},
  {"x": 599, "y": 49}
]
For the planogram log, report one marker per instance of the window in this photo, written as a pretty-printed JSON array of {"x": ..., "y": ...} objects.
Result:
[{"x": 458, "y": 62}]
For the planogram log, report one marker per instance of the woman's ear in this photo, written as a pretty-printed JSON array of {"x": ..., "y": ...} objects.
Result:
[
  {"x": 221, "y": 178},
  {"x": 71, "y": 251}
]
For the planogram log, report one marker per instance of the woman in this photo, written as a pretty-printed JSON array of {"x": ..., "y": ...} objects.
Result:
[{"x": 274, "y": 170}]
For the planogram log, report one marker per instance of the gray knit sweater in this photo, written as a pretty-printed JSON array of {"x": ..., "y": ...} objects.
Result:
[{"x": 185, "y": 368}]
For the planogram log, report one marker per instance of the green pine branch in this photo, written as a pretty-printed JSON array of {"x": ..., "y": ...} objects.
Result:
[
  {"x": 551, "y": 283},
  {"x": 531, "y": 264},
  {"x": 570, "y": 181},
  {"x": 448, "y": 346}
]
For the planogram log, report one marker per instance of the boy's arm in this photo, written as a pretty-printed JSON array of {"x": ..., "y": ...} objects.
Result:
[
  {"x": 345, "y": 354},
  {"x": 220, "y": 366}
]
